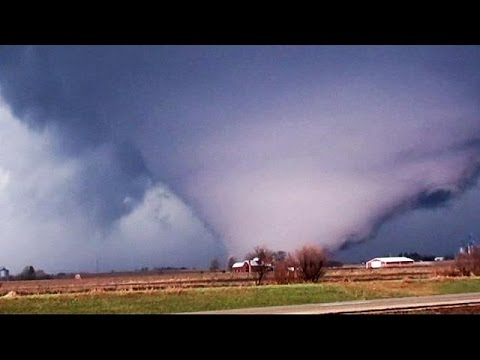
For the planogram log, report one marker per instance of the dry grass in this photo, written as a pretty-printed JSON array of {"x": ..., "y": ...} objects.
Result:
[
  {"x": 447, "y": 271},
  {"x": 394, "y": 288},
  {"x": 155, "y": 282}
]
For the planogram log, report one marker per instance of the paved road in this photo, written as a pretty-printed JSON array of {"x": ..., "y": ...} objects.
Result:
[{"x": 361, "y": 306}]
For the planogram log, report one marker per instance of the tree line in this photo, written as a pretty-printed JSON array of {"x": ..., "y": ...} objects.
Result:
[{"x": 420, "y": 257}]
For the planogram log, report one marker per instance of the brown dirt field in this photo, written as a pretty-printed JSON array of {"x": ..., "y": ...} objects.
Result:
[{"x": 188, "y": 279}]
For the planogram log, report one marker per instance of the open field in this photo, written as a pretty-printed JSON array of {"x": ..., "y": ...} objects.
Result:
[
  {"x": 177, "y": 300},
  {"x": 201, "y": 279}
]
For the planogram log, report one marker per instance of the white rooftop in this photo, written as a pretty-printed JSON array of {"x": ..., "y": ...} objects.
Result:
[
  {"x": 238, "y": 264},
  {"x": 392, "y": 259}
]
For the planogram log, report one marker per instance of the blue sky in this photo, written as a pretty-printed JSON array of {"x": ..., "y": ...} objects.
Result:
[{"x": 139, "y": 156}]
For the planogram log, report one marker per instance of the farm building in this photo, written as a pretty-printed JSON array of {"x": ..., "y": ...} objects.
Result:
[
  {"x": 247, "y": 266},
  {"x": 388, "y": 261},
  {"x": 241, "y": 266},
  {"x": 4, "y": 273}
]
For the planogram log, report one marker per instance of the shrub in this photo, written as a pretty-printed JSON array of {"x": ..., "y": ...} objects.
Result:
[
  {"x": 281, "y": 272},
  {"x": 469, "y": 263},
  {"x": 310, "y": 262}
]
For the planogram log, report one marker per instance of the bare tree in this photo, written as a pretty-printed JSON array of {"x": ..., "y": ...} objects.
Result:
[
  {"x": 264, "y": 258},
  {"x": 214, "y": 265},
  {"x": 469, "y": 263},
  {"x": 231, "y": 261},
  {"x": 310, "y": 262},
  {"x": 279, "y": 256}
]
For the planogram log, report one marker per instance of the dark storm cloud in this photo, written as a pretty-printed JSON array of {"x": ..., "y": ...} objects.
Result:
[
  {"x": 40, "y": 86},
  {"x": 83, "y": 104},
  {"x": 70, "y": 91},
  {"x": 275, "y": 145},
  {"x": 86, "y": 212},
  {"x": 432, "y": 199}
]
